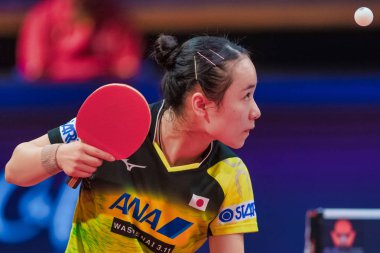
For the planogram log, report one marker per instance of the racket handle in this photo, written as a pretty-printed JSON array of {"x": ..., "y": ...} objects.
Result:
[{"x": 73, "y": 182}]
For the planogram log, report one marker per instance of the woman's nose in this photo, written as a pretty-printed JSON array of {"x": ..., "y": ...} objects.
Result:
[{"x": 255, "y": 112}]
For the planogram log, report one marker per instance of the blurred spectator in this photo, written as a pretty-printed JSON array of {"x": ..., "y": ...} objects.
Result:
[{"x": 77, "y": 40}]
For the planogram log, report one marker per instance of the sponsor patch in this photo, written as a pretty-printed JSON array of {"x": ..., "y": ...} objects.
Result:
[
  {"x": 127, "y": 229},
  {"x": 69, "y": 132},
  {"x": 237, "y": 213}
]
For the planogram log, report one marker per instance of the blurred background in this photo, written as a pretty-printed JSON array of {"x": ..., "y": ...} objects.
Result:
[{"x": 319, "y": 92}]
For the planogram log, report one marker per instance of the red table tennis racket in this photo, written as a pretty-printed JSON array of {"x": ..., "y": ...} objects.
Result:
[{"x": 114, "y": 118}]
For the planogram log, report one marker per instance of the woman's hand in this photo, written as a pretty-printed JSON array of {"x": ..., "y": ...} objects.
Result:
[{"x": 78, "y": 159}]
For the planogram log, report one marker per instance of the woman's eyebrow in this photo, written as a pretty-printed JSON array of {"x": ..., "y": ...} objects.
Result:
[{"x": 250, "y": 86}]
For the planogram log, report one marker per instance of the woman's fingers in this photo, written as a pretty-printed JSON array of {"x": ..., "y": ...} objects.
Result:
[
  {"x": 81, "y": 160},
  {"x": 95, "y": 152}
]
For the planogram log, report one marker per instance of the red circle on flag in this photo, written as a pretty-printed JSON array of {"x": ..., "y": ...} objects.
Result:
[{"x": 200, "y": 202}]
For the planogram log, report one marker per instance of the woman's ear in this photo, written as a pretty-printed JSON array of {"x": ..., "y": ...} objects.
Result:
[{"x": 199, "y": 103}]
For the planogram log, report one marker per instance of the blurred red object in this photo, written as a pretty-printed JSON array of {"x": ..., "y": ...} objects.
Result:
[
  {"x": 343, "y": 234},
  {"x": 77, "y": 40}
]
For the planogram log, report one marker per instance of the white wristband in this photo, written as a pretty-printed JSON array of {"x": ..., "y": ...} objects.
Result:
[{"x": 49, "y": 158}]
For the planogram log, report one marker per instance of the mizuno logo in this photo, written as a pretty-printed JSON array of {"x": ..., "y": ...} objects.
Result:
[{"x": 130, "y": 166}]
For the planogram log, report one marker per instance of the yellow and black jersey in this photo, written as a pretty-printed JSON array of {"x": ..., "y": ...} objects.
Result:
[{"x": 142, "y": 204}]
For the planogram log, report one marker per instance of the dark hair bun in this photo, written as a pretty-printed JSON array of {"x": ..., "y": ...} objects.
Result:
[{"x": 166, "y": 50}]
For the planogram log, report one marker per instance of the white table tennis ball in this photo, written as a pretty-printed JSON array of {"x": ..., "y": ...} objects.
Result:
[{"x": 363, "y": 16}]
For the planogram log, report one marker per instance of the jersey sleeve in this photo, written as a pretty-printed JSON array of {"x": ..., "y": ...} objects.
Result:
[
  {"x": 237, "y": 213},
  {"x": 65, "y": 133}
]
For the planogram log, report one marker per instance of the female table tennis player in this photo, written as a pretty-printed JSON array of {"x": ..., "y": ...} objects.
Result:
[{"x": 184, "y": 184}]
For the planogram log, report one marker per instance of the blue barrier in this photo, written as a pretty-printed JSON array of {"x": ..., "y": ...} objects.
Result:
[{"x": 38, "y": 211}]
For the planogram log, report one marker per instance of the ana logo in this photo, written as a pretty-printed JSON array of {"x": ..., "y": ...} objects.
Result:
[
  {"x": 130, "y": 166},
  {"x": 199, "y": 202},
  {"x": 145, "y": 213},
  {"x": 236, "y": 213}
]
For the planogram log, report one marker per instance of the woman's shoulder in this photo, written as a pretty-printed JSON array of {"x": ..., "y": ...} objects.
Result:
[
  {"x": 156, "y": 105},
  {"x": 222, "y": 155},
  {"x": 222, "y": 152}
]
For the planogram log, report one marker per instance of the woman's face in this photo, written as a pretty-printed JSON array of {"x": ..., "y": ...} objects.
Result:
[{"x": 231, "y": 122}]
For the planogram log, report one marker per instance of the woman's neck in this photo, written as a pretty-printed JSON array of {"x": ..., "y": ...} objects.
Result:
[{"x": 182, "y": 141}]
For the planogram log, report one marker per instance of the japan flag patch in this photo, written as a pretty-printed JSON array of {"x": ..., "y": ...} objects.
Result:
[{"x": 199, "y": 202}]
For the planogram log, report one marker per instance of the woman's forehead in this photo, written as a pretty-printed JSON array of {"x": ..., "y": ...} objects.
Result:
[{"x": 243, "y": 71}]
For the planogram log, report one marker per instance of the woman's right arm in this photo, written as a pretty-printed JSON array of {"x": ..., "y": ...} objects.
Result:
[{"x": 76, "y": 159}]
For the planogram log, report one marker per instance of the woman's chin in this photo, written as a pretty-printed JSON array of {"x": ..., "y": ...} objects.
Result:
[{"x": 235, "y": 145}]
